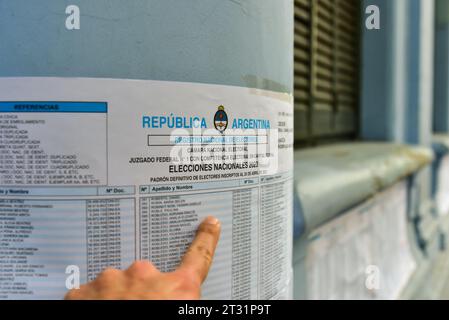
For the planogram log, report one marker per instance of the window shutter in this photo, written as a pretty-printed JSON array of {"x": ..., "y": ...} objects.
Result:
[{"x": 326, "y": 69}]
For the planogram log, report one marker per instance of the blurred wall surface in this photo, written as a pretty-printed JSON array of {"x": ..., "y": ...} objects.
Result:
[{"x": 404, "y": 85}]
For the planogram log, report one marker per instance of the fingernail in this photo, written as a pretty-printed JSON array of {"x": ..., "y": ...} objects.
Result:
[{"x": 211, "y": 220}]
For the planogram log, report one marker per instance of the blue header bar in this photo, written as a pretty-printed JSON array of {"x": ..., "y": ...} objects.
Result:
[{"x": 54, "y": 106}]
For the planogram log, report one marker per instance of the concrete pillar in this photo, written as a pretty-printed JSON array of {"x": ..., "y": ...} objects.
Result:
[
  {"x": 397, "y": 73},
  {"x": 240, "y": 43},
  {"x": 383, "y": 73},
  {"x": 441, "y": 77},
  {"x": 397, "y": 82},
  {"x": 419, "y": 77}
]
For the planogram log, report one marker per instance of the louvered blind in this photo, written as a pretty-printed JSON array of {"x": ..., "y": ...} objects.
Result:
[{"x": 326, "y": 69}]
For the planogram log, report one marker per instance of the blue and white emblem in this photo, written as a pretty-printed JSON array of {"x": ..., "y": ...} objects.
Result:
[{"x": 221, "y": 119}]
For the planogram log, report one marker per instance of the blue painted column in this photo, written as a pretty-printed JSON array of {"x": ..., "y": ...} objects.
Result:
[
  {"x": 383, "y": 99},
  {"x": 397, "y": 86},
  {"x": 241, "y": 43},
  {"x": 419, "y": 76},
  {"x": 397, "y": 73},
  {"x": 419, "y": 89},
  {"x": 441, "y": 77}
]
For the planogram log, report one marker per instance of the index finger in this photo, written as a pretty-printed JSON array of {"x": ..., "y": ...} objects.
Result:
[{"x": 199, "y": 255}]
